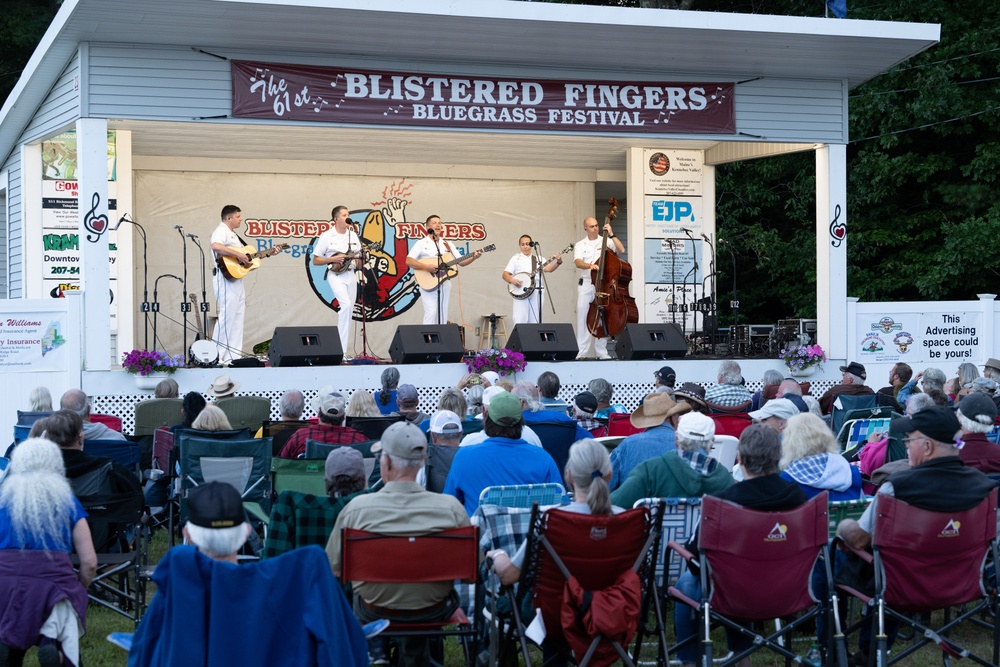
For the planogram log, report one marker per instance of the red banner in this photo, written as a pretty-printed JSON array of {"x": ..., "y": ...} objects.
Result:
[{"x": 335, "y": 95}]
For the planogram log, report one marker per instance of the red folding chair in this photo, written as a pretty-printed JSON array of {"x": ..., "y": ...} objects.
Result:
[
  {"x": 925, "y": 561},
  {"x": 443, "y": 556},
  {"x": 111, "y": 421},
  {"x": 619, "y": 423},
  {"x": 586, "y": 574},
  {"x": 757, "y": 567},
  {"x": 731, "y": 424}
]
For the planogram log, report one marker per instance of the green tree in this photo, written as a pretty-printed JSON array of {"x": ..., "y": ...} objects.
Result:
[{"x": 22, "y": 24}]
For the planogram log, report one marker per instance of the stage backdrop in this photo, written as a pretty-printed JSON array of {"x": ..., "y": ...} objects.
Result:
[{"x": 288, "y": 291}]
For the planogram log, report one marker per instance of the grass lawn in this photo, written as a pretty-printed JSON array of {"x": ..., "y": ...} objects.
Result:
[{"x": 98, "y": 652}]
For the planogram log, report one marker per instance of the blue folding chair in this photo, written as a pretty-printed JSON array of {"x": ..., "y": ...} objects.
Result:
[
  {"x": 523, "y": 495},
  {"x": 121, "y": 451}
]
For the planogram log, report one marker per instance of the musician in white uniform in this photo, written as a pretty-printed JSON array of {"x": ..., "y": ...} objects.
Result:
[
  {"x": 586, "y": 255},
  {"x": 229, "y": 294},
  {"x": 423, "y": 256},
  {"x": 522, "y": 272},
  {"x": 338, "y": 249}
]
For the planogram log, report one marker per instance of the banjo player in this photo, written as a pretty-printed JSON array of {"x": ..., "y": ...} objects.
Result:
[{"x": 521, "y": 276}]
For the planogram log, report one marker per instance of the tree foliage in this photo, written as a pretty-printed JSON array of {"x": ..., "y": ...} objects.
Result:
[{"x": 22, "y": 24}]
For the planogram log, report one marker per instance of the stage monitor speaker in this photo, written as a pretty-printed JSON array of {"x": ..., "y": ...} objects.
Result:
[
  {"x": 426, "y": 343},
  {"x": 651, "y": 341},
  {"x": 544, "y": 342},
  {"x": 305, "y": 346}
]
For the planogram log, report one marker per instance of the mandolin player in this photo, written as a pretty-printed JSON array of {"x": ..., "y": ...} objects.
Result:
[
  {"x": 339, "y": 250},
  {"x": 586, "y": 256},
  {"x": 522, "y": 275},
  {"x": 229, "y": 292}
]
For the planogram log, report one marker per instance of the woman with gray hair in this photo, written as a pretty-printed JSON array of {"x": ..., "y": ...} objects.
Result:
[
  {"x": 810, "y": 457},
  {"x": 40, "y": 400},
  {"x": 385, "y": 398},
  {"x": 933, "y": 384},
  {"x": 604, "y": 391},
  {"x": 771, "y": 380},
  {"x": 42, "y": 600},
  {"x": 961, "y": 385}
]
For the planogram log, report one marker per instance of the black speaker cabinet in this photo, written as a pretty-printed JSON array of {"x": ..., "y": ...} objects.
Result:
[
  {"x": 426, "y": 343},
  {"x": 651, "y": 341},
  {"x": 305, "y": 346},
  {"x": 544, "y": 342}
]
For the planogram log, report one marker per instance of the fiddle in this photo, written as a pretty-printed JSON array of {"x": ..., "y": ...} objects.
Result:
[{"x": 612, "y": 307}]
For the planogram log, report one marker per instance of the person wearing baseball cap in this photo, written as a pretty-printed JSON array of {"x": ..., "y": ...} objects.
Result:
[
  {"x": 775, "y": 413},
  {"x": 665, "y": 377},
  {"x": 401, "y": 507},
  {"x": 977, "y": 414},
  {"x": 504, "y": 457},
  {"x": 216, "y": 522},
  {"x": 852, "y": 383},
  {"x": 408, "y": 400},
  {"x": 446, "y": 432},
  {"x": 936, "y": 480},
  {"x": 686, "y": 472},
  {"x": 476, "y": 437},
  {"x": 330, "y": 429}
]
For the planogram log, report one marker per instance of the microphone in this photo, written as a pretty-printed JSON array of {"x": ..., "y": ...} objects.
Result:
[
  {"x": 191, "y": 236},
  {"x": 686, "y": 231},
  {"x": 351, "y": 222},
  {"x": 531, "y": 244},
  {"x": 707, "y": 240},
  {"x": 431, "y": 233}
]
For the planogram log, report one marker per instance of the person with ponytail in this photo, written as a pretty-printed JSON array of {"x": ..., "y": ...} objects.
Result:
[
  {"x": 385, "y": 398},
  {"x": 588, "y": 471},
  {"x": 42, "y": 600}
]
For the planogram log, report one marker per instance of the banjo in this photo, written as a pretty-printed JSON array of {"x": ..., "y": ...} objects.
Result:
[
  {"x": 204, "y": 353},
  {"x": 527, "y": 286}
]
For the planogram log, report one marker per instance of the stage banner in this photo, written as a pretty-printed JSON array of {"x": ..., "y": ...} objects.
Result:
[
  {"x": 33, "y": 341},
  {"x": 278, "y": 91}
]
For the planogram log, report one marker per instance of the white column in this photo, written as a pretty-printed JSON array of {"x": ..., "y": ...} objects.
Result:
[
  {"x": 92, "y": 163},
  {"x": 831, "y": 250},
  {"x": 988, "y": 331}
]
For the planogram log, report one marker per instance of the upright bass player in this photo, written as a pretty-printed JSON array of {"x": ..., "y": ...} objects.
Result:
[{"x": 586, "y": 256}]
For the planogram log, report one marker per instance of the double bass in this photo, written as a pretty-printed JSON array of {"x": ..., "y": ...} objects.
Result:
[{"x": 612, "y": 307}]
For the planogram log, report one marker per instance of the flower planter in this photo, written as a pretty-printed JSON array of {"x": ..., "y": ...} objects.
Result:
[
  {"x": 149, "y": 381},
  {"x": 803, "y": 373}
]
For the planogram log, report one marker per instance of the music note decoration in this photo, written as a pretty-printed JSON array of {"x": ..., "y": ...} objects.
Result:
[{"x": 95, "y": 224}]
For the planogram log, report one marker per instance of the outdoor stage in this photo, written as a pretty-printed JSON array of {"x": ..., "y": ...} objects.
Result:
[{"x": 115, "y": 392}]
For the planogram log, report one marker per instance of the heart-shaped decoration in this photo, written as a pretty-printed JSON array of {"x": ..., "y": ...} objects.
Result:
[
  {"x": 839, "y": 232},
  {"x": 99, "y": 224}
]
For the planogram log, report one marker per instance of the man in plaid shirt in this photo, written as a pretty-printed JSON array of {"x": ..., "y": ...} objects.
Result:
[
  {"x": 330, "y": 429},
  {"x": 729, "y": 392}
]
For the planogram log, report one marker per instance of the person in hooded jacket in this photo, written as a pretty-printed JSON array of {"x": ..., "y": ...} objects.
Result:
[{"x": 810, "y": 457}]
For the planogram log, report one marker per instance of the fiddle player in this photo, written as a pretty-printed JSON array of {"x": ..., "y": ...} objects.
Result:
[
  {"x": 521, "y": 269},
  {"x": 586, "y": 256},
  {"x": 334, "y": 249}
]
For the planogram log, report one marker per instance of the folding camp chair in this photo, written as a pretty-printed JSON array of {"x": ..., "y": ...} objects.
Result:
[
  {"x": 247, "y": 412},
  {"x": 680, "y": 520},
  {"x": 121, "y": 541},
  {"x": 156, "y": 413},
  {"x": 439, "y": 460},
  {"x": 111, "y": 421},
  {"x": 854, "y": 433},
  {"x": 925, "y": 561},
  {"x": 372, "y": 427},
  {"x": 320, "y": 450},
  {"x": 523, "y": 495},
  {"x": 304, "y": 475},
  {"x": 245, "y": 464},
  {"x": 731, "y": 424},
  {"x": 124, "y": 452},
  {"x": 844, "y": 405},
  {"x": 557, "y": 437},
  {"x": 620, "y": 423},
  {"x": 443, "y": 556},
  {"x": 598, "y": 563},
  {"x": 742, "y": 408},
  {"x": 846, "y": 509},
  {"x": 994, "y": 435},
  {"x": 757, "y": 566},
  {"x": 280, "y": 432},
  {"x": 724, "y": 450}
]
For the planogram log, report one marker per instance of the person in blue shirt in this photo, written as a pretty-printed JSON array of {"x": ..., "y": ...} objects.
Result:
[
  {"x": 503, "y": 458},
  {"x": 658, "y": 414},
  {"x": 534, "y": 413}
]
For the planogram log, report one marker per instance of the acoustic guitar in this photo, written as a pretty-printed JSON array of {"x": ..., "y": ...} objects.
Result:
[
  {"x": 231, "y": 267},
  {"x": 428, "y": 281}
]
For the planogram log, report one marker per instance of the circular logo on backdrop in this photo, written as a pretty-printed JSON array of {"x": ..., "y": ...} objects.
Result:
[
  {"x": 659, "y": 164},
  {"x": 386, "y": 287}
]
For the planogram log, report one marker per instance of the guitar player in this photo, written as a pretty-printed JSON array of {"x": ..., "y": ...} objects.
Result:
[
  {"x": 423, "y": 256},
  {"x": 229, "y": 294},
  {"x": 338, "y": 249}
]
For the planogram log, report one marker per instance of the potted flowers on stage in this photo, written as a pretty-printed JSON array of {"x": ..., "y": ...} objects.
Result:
[
  {"x": 803, "y": 360},
  {"x": 504, "y": 362},
  {"x": 150, "y": 366}
]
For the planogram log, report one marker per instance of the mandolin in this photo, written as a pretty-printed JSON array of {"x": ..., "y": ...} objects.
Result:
[{"x": 231, "y": 267}]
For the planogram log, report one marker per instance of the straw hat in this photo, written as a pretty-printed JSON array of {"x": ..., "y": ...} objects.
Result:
[
  {"x": 223, "y": 386},
  {"x": 655, "y": 409}
]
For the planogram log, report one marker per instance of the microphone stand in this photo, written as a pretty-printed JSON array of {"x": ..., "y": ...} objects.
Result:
[
  {"x": 144, "y": 306},
  {"x": 185, "y": 307},
  {"x": 543, "y": 284},
  {"x": 437, "y": 247},
  {"x": 693, "y": 275},
  {"x": 711, "y": 303},
  {"x": 203, "y": 307},
  {"x": 673, "y": 281},
  {"x": 156, "y": 304}
]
